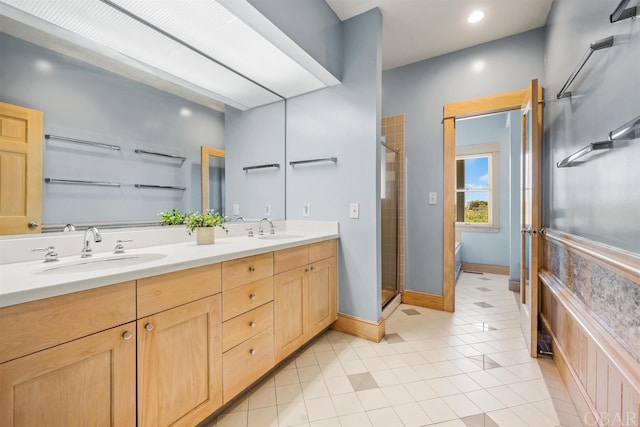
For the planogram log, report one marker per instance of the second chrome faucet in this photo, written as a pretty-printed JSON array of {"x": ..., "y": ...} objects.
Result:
[{"x": 86, "y": 248}]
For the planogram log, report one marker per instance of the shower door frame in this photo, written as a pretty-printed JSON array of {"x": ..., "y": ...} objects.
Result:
[{"x": 397, "y": 197}]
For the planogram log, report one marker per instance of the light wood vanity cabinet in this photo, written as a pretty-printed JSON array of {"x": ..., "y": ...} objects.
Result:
[
  {"x": 305, "y": 294},
  {"x": 179, "y": 344}
]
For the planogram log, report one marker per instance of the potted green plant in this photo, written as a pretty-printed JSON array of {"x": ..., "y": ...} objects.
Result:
[
  {"x": 204, "y": 225},
  {"x": 171, "y": 217}
]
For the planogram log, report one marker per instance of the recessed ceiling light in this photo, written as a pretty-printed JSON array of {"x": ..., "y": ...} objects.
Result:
[
  {"x": 185, "y": 112},
  {"x": 476, "y": 16}
]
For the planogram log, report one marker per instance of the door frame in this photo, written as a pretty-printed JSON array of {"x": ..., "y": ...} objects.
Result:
[{"x": 498, "y": 103}]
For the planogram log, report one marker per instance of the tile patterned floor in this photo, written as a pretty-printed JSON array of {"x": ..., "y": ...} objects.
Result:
[{"x": 465, "y": 369}]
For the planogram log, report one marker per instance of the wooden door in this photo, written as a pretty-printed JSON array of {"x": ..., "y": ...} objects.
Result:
[
  {"x": 323, "y": 308},
  {"x": 20, "y": 170},
  {"x": 180, "y": 364},
  {"x": 290, "y": 322},
  {"x": 86, "y": 382},
  {"x": 530, "y": 210}
]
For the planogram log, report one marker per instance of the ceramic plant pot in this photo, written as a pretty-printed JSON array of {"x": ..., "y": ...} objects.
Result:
[{"x": 205, "y": 235}]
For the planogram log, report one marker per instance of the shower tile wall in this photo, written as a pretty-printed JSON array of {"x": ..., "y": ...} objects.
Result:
[{"x": 393, "y": 130}]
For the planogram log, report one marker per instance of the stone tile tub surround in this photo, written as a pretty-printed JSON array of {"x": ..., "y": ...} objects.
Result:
[
  {"x": 20, "y": 283},
  {"x": 612, "y": 300}
]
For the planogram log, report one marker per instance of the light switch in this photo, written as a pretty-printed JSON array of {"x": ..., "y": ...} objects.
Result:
[
  {"x": 433, "y": 198},
  {"x": 306, "y": 209},
  {"x": 354, "y": 210},
  {"x": 236, "y": 209}
]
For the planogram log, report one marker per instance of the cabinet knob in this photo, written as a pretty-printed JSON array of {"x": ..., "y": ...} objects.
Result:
[
  {"x": 252, "y": 352},
  {"x": 252, "y": 324},
  {"x": 306, "y": 270},
  {"x": 127, "y": 335},
  {"x": 33, "y": 224},
  {"x": 148, "y": 327},
  {"x": 311, "y": 268},
  {"x": 252, "y": 296},
  {"x": 252, "y": 269}
]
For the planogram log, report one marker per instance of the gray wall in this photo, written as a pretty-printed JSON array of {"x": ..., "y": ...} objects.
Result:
[
  {"x": 419, "y": 91},
  {"x": 489, "y": 247},
  {"x": 600, "y": 198},
  {"x": 255, "y": 137},
  {"x": 312, "y": 24},
  {"x": 84, "y": 102},
  {"x": 344, "y": 121}
]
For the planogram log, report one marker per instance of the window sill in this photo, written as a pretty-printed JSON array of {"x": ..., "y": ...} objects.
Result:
[{"x": 477, "y": 228}]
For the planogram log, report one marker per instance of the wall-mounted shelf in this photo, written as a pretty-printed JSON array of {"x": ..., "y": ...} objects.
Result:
[
  {"x": 160, "y": 187},
  {"x": 154, "y": 153},
  {"x": 83, "y": 142},
  {"x": 622, "y": 12},
  {"x": 268, "y": 166},
  {"x": 81, "y": 182},
  {"x": 594, "y": 146},
  {"x": 597, "y": 45},
  {"x": 302, "y": 162}
]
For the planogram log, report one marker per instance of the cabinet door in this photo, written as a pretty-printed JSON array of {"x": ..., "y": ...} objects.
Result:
[
  {"x": 180, "y": 364},
  {"x": 88, "y": 382},
  {"x": 290, "y": 321},
  {"x": 323, "y": 302}
]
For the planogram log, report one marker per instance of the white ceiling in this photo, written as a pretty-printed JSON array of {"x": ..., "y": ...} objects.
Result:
[{"x": 414, "y": 30}]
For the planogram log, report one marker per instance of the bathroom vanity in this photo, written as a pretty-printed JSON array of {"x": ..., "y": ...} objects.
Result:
[{"x": 180, "y": 337}]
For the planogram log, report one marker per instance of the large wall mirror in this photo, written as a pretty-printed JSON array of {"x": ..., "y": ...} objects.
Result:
[{"x": 86, "y": 102}]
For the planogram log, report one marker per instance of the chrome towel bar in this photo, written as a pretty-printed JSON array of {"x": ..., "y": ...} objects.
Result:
[
  {"x": 83, "y": 142},
  {"x": 270, "y": 165},
  {"x": 597, "y": 45},
  {"x": 326, "y": 159},
  {"x": 602, "y": 145},
  {"x": 80, "y": 182},
  {"x": 161, "y": 187},
  {"x": 154, "y": 153}
]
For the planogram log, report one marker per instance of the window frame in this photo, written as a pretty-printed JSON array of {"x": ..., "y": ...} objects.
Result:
[{"x": 492, "y": 152}]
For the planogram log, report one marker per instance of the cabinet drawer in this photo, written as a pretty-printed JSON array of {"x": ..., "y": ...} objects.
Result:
[
  {"x": 246, "y": 325},
  {"x": 321, "y": 250},
  {"x": 246, "y": 297},
  {"x": 246, "y": 270},
  {"x": 288, "y": 259},
  {"x": 245, "y": 363},
  {"x": 33, "y": 326},
  {"x": 159, "y": 293}
]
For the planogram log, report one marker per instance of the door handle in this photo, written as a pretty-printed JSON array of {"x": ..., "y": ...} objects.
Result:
[{"x": 33, "y": 224}]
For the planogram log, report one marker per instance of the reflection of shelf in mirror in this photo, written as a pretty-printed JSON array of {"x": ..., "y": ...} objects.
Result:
[
  {"x": 83, "y": 142},
  {"x": 594, "y": 146},
  {"x": 80, "y": 182},
  {"x": 160, "y": 187},
  {"x": 269, "y": 166},
  {"x": 154, "y": 153},
  {"x": 596, "y": 45},
  {"x": 302, "y": 162}
]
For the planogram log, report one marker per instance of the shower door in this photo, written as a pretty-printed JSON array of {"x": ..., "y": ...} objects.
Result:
[{"x": 389, "y": 222}]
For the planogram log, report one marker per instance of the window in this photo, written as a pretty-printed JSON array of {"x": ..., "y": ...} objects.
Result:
[{"x": 476, "y": 196}]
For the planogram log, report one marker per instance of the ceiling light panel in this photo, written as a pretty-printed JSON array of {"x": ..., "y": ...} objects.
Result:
[
  {"x": 209, "y": 27},
  {"x": 104, "y": 25}
]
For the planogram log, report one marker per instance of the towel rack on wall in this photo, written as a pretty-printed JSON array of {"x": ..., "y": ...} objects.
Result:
[
  {"x": 621, "y": 13},
  {"x": 597, "y": 45},
  {"x": 628, "y": 131},
  {"x": 154, "y": 153},
  {"x": 80, "y": 182},
  {"x": 326, "y": 159},
  {"x": 83, "y": 142},
  {"x": 270, "y": 165},
  {"x": 161, "y": 187}
]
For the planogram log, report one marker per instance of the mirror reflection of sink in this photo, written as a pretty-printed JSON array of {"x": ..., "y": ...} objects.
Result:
[
  {"x": 93, "y": 264},
  {"x": 280, "y": 236}
]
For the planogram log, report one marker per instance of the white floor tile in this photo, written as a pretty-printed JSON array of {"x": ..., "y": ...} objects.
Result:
[
  {"x": 462, "y": 405},
  {"x": 263, "y": 417},
  {"x": 355, "y": 420},
  {"x": 347, "y": 404},
  {"x": 437, "y": 410},
  {"x": 384, "y": 417},
  {"x": 372, "y": 399},
  {"x": 397, "y": 395},
  {"x": 412, "y": 415},
  {"x": 319, "y": 409}
]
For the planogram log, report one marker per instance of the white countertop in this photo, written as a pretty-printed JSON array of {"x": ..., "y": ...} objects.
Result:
[{"x": 24, "y": 281}]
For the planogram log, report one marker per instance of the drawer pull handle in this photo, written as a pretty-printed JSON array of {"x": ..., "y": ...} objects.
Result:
[
  {"x": 148, "y": 327},
  {"x": 127, "y": 335},
  {"x": 252, "y": 324},
  {"x": 252, "y": 296},
  {"x": 306, "y": 270},
  {"x": 251, "y": 269},
  {"x": 252, "y": 352}
]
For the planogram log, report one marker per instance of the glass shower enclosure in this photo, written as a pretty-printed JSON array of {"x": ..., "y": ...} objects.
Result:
[{"x": 389, "y": 222}]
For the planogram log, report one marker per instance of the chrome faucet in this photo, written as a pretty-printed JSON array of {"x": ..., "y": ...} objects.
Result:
[
  {"x": 271, "y": 231},
  {"x": 86, "y": 249}
]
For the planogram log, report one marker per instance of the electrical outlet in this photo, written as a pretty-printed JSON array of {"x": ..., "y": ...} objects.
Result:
[
  {"x": 306, "y": 209},
  {"x": 354, "y": 210},
  {"x": 433, "y": 198},
  {"x": 236, "y": 209},
  {"x": 267, "y": 209}
]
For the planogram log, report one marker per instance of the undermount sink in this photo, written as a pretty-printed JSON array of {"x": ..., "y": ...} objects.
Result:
[
  {"x": 94, "y": 264},
  {"x": 279, "y": 236}
]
